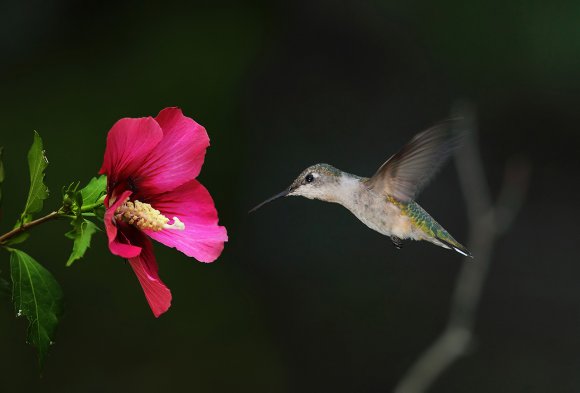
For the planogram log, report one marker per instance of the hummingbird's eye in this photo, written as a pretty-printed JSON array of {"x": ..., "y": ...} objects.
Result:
[{"x": 309, "y": 178}]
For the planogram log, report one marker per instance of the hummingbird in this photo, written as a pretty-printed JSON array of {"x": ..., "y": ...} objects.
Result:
[{"x": 385, "y": 202}]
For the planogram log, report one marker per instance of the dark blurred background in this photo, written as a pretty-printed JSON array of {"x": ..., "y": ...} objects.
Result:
[{"x": 304, "y": 297}]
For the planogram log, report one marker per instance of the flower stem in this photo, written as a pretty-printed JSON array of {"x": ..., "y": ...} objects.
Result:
[{"x": 28, "y": 225}]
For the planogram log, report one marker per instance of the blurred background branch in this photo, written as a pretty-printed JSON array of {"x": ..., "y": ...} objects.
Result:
[{"x": 487, "y": 221}]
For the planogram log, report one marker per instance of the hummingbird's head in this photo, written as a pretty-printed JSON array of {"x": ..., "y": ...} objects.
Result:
[{"x": 315, "y": 182}]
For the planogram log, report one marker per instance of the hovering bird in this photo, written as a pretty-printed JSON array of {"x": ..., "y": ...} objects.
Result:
[{"x": 385, "y": 202}]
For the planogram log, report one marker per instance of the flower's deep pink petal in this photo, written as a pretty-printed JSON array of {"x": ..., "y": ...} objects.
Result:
[
  {"x": 179, "y": 156},
  {"x": 129, "y": 144},
  {"x": 202, "y": 237},
  {"x": 119, "y": 242},
  {"x": 145, "y": 267}
]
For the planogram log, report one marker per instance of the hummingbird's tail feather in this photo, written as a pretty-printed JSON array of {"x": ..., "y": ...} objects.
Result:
[
  {"x": 431, "y": 229},
  {"x": 455, "y": 246}
]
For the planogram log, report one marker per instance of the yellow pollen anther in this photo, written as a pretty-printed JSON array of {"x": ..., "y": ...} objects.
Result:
[{"x": 144, "y": 216}]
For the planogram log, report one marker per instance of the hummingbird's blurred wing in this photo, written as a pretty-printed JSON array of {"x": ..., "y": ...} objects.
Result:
[{"x": 405, "y": 174}]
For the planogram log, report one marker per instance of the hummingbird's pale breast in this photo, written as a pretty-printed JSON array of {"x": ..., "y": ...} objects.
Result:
[{"x": 374, "y": 210}]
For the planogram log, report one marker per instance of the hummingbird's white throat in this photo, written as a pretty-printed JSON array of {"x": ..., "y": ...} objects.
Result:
[{"x": 144, "y": 216}]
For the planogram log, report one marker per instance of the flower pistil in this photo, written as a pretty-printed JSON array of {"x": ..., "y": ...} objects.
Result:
[{"x": 144, "y": 216}]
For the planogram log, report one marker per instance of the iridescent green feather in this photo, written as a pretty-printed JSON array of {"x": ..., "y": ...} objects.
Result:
[{"x": 426, "y": 223}]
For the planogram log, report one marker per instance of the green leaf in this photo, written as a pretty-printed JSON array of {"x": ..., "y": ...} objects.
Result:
[
  {"x": 37, "y": 163},
  {"x": 81, "y": 233},
  {"x": 38, "y": 297},
  {"x": 1, "y": 172},
  {"x": 93, "y": 191}
]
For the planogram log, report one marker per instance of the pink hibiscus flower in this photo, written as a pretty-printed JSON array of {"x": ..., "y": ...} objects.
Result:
[{"x": 151, "y": 165}]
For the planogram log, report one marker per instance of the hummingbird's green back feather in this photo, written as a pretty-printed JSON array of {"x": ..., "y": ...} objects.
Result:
[{"x": 428, "y": 225}]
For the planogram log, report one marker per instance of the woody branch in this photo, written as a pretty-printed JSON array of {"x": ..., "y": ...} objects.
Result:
[{"x": 487, "y": 221}]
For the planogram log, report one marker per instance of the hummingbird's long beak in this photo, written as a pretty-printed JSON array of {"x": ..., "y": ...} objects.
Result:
[{"x": 279, "y": 195}]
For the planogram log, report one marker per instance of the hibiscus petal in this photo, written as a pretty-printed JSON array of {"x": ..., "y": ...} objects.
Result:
[
  {"x": 202, "y": 237},
  {"x": 145, "y": 267},
  {"x": 129, "y": 144},
  {"x": 179, "y": 156},
  {"x": 119, "y": 242}
]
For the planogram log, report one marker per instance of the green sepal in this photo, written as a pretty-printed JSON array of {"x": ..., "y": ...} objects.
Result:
[
  {"x": 86, "y": 200},
  {"x": 81, "y": 234},
  {"x": 68, "y": 196},
  {"x": 94, "y": 190},
  {"x": 38, "y": 297},
  {"x": 37, "y": 163}
]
